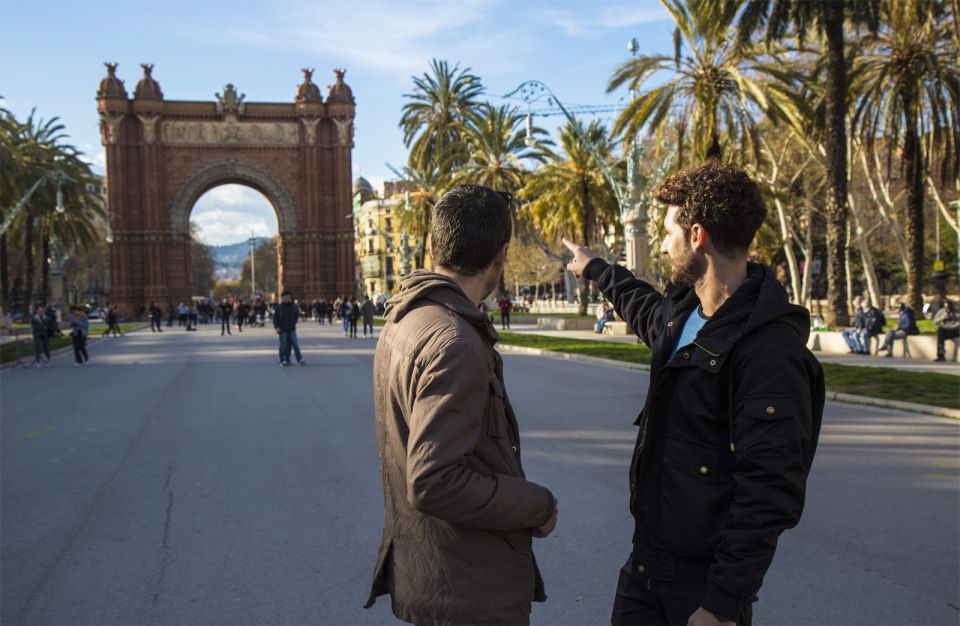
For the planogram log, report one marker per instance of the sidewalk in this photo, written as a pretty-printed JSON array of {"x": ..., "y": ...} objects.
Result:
[{"x": 906, "y": 365}]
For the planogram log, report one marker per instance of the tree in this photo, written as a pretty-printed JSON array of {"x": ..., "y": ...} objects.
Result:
[
  {"x": 715, "y": 86},
  {"x": 265, "y": 257},
  {"x": 908, "y": 91},
  {"x": 435, "y": 119},
  {"x": 31, "y": 150},
  {"x": 202, "y": 278},
  {"x": 780, "y": 18},
  {"x": 569, "y": 195}
]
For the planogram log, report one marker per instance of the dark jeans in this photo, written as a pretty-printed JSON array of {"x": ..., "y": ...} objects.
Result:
[
  {"x": 225, "y": 324},
  {"x": 41, "y": 346},
  {"x": 505, "y": 320},
  {"x": 116, "y": 329},
  {"x": 155, "y": 324},
  {"x": 367, "y": 325},
  {"x": 641, "y": 601},
  {"x": 287, "y": 341},
  {"x": 353, "y": 328},
  {"x": 80, "y": 348},
  {"x": 942, "y": 335}
]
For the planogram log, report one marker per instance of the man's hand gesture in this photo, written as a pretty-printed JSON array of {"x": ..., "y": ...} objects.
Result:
[{"x": 581, "y": 256}]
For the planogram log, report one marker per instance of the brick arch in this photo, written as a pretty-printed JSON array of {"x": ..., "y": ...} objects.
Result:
[
  {"x": 162, "y": 155},
  {"x": 225, "y": 172}
]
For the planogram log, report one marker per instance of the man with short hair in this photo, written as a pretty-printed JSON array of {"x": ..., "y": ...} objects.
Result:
[
  {"x": 459, "y": 514},
  {"x": 285, "y": 322},
  {"x": 732, "y": 415},
  {"x": 873, "y": 323}
]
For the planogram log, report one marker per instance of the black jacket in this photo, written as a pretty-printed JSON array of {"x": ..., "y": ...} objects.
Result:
[
  {"x": 285, "y": 317},
  {"x": 727, "y": 433}
]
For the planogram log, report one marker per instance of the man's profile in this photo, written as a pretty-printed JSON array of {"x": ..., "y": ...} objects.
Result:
[{"x": 459, "y": 515}]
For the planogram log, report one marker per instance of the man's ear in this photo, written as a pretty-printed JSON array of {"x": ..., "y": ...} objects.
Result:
[
  {"x": 699, "y": 237},
  {"x": 502, "y": 255}
]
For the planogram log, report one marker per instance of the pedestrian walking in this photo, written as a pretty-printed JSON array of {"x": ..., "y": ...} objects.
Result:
[
  {"x": 506, "y": 305},
  {"x": 112, "y": 323},
  {"x": 41, "y": 337},
  {"x": 242, "y": 312},
  {"x": 285, "y": 322},
  {"x": 330, "y": 312},
  {"x": 354, "y": 316},
  {"x": 367, "y": 310},
  {"x": 156, "y": 318},
  {"x": 171, "y": 313},
  {"x": 79, "y": 329},
  {"x": 731, "y": 420},
  {"x": 460, "y": 514},
  {"x": 343, "y": 312},
  {"x": 226, "y": 310}
]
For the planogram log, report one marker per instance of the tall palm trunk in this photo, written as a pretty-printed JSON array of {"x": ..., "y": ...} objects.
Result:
[
  {"x": 913, "y": 159},
  {"x": 4, "y": 276},
  {"x": 713, "y": 150},
  {"x": 836, "y": 145},
  {"x": 45, "y": 272},
  {"x": 588, "y": 220},
  {"x": 29, "y": 269}
]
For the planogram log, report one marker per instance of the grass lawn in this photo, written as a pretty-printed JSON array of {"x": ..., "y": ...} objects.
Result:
[
  {"x": 875, "y": 382},
  {"x": 7, "y": 350}
]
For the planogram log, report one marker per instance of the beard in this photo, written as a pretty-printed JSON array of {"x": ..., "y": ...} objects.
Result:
[{"x": 687, "y": 269}]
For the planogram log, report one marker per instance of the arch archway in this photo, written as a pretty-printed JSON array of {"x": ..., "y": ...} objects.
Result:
[{"x": 162, "y": 155}]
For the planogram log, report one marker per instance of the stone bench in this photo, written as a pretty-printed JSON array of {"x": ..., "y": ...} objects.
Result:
[
  {"x": 616, "y": 328},
  {"x": 912, "y": 346},
  {"x": 566, "y": 323}
]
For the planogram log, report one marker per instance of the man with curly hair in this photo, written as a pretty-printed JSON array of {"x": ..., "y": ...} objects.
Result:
[{"x": 731, "y": 419}]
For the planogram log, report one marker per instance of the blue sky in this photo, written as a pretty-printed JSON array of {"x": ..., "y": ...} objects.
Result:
[{"x": 52, "y": 54}]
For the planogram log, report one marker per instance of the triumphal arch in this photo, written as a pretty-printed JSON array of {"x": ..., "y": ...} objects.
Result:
[{"x": 162, "y": 155}]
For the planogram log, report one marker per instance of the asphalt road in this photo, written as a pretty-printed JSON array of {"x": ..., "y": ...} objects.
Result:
[{"x": 186, "y": 478}]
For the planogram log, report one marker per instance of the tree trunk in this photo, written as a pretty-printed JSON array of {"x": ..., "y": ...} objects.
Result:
[
  {"x": 28, "y": 268},
  {"x": 713, "y": 150},
  {"x": 4, "y": 276},
  {"x": 913, "y": 160},
  {"x": 836, "y": 145},
  {"x": 869, "y": 268},
  {"x": 45, "y": 271}
]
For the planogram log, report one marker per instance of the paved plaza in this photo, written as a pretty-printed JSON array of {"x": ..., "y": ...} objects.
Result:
[{"x": 186, "y": 478}]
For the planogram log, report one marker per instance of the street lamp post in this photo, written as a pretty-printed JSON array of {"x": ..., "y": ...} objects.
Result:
[
  {"x": 630, "y": 201},
  {"x": 635, "y": 218},
  {"x": 253, "y": 271}
]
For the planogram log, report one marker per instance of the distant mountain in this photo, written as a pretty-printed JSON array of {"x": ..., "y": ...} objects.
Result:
[{"x": 234, "y": 254}]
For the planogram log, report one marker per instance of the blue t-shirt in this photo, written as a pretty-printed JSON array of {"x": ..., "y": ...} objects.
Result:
[{"x": 691, "y": 328}]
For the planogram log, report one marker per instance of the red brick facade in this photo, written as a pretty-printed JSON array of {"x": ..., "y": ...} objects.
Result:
[{"x": 162, "y": 155}]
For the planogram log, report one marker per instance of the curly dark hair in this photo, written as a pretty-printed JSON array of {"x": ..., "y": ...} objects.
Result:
[{"x": 721, "y": 198}]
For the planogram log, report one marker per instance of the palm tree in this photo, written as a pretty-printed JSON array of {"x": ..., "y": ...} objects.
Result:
[
  {"x": 415, "y": 217},
  {"x": 908, "y": 88},
  {"x": 434, "y": 120},
  {"x": 715, "y": 85},
  {"x": 827, "y": 18},
  {"x": 33, "y": 149},
  {"x": 570, "y": 196},
  {"x": 495, "y": 147}
]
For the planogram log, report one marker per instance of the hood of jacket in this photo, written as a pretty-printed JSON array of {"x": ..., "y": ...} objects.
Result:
[
  {"x": 423, "y": 285},
  {"x": 759, "y": 301}
]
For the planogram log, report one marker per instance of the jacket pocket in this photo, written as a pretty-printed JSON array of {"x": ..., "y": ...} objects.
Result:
[{"x": 696, "y": 487}]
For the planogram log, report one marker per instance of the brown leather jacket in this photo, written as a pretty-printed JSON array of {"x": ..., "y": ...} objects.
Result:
[{"x": 458, "y": 512}]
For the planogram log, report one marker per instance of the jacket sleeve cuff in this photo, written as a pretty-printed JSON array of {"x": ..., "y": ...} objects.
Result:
[
  {"x": 595, "y": 269},
  {"x": 721, "y": 603},
  {"x": 551, "y": 506}
]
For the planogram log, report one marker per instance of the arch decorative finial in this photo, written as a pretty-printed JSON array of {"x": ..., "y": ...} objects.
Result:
[{"x": 111, "y": 69}]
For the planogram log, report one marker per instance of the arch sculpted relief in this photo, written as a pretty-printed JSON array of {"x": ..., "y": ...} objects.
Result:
[{"x": 230, "y": 132}]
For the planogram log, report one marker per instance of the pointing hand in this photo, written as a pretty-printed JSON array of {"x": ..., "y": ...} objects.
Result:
[{"x": 581, "y": 256}]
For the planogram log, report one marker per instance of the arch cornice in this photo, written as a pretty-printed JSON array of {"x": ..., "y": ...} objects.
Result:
[{"x": 231, "y": 171}]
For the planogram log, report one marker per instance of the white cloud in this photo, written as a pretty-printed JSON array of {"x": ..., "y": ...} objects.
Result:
[
  {"x": 230, "y": 213},
  {"x": 592, "y": 18},
  {"x": 383, "y": 35}
]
